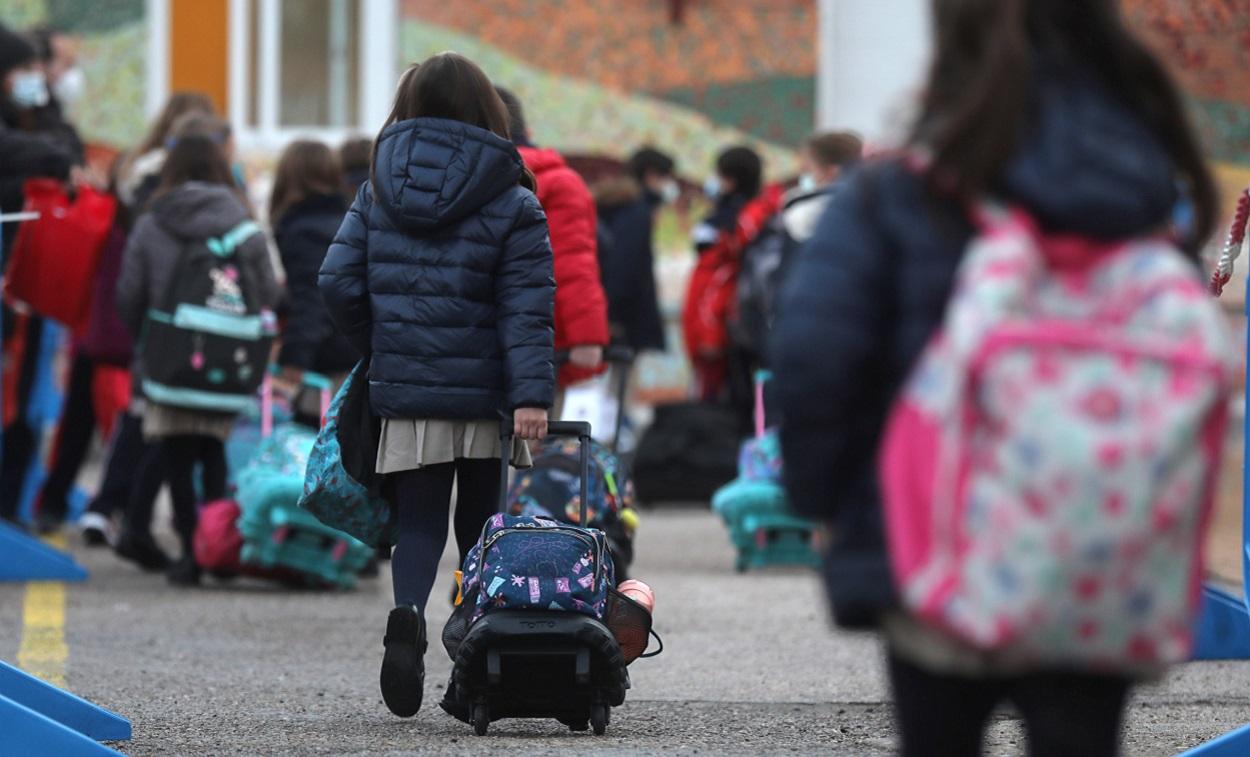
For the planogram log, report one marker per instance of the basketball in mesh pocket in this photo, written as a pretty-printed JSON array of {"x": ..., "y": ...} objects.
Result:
[{"x": 630, "y": 623}]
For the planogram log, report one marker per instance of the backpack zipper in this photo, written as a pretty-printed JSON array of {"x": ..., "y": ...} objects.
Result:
[{"x": 595, "y": 545}]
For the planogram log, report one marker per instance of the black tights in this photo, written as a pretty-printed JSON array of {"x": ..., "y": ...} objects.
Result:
[
  {"x": 181, "y": 455},
  {"x": 423, "y": 498},
  {"x": 1065, "y": 714}
]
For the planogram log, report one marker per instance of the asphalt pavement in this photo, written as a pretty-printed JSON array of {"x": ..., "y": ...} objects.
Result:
[{"x": 751, "y": 667}]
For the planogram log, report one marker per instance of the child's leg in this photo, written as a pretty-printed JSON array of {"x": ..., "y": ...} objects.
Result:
[
  {"x": 422, "y": 497},
  {"x": 181, "y": 454},
  {"x": 477, "y": 498},
  {"x": 213, "y": 468}
]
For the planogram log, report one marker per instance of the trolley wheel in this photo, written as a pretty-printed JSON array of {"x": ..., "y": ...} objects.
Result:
[
  {"x": 599, "y": 719},
  {"x": 481, "y": 719}
]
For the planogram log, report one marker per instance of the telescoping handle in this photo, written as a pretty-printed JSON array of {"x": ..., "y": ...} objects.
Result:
[{"x": 578, "y": 429}]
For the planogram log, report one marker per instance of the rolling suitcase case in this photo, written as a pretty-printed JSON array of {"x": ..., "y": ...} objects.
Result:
[{"x": 528, "y": 639}]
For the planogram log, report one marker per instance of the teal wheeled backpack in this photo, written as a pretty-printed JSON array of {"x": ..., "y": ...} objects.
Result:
[
  {"x": 754, "y": 507},
  {"x": 276, "y": 532}
]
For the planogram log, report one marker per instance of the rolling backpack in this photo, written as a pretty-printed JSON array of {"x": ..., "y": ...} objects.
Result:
[
  {"x": 213, "y": 335},
  {"x": 1048, "y": 468}
]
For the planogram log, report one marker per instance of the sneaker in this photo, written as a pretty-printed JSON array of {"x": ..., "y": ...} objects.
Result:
[
  {"x": 184, "y": 573},
  {"x": 403, "y": 665},
  {"x": 143, "y": 551},
  {"x": 97, "y": 530}
]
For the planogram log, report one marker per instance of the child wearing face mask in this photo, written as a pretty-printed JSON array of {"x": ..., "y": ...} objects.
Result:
[
  {"x": 27, "y": 152},
  {"x": 628, "y": 205},
  {"x": 741, "y": 206}
]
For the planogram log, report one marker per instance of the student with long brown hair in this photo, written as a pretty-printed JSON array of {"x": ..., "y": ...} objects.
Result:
[
  {"x": 196, "y": 205},
  {"x": 1053, "y": 107},
  {"x": 441, "y": 277},
  {"x": 306, "y": 209}
]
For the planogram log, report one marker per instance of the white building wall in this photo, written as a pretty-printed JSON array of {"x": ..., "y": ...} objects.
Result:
[{"x": 872, "y": 62}]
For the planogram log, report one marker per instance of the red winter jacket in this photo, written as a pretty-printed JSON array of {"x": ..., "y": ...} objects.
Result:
[
  {"x": 711, "y": 295},
  {"x": 581, "y": 305}
]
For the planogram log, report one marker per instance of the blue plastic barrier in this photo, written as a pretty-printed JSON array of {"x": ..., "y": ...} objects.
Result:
[
  {"x": 25, "y": 558},
  {"x": 27, "y": 731},
  {"x": 68, "y": 710},
  {"x": 1223, "y": 631}
]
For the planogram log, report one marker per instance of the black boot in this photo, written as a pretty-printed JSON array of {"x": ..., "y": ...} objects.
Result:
[
  {"x": 403, "y": 665},
  {"x": 142, "y": 550},
  {"x": 184, "y": 572}
]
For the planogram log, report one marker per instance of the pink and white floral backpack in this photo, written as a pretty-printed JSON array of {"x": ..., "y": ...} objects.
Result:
[{"x": 1048, "y": 469}]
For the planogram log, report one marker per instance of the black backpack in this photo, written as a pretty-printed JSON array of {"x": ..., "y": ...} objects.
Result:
[
  {"x": 758, "y": 280},
  {"x": 207, "y": 345}
]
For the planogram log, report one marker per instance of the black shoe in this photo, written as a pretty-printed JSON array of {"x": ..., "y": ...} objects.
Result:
[
  {"x": 143, "y": 551},
  {"x": 184, "y": 573},
  {"x": 403, "y": 665},
  {"x": 48, "y": 523}
]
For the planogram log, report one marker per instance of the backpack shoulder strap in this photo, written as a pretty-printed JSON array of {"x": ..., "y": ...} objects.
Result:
[{"x": 225, "y": 245}]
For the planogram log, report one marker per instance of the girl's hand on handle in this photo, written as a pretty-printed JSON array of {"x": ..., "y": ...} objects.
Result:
[{"x": 530, "y": 423}]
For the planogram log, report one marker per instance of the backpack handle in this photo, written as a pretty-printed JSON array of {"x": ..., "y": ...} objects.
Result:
[
  {"x": 578, "y": 429},
  {"x": 761, "y": 377}
]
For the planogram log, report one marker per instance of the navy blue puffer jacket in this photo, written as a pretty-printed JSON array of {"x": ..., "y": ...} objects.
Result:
[
  {"x": 442, "y": 274},
  {"x": 869, "y": 289}
]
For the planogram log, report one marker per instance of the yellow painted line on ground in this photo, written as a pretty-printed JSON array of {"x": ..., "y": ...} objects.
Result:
[{"x": 43, "y": 651}]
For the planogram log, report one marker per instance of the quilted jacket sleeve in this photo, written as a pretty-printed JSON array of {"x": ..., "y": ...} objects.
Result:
[
  {"x": 344, "y": 281},
  {"x": 524, "y": 292},
  {"x": 825, "y": 336},
  {"x": 132, "y": 282},
  {"x": 254, "y": 253},
  {"x": 581, "y": 306}
]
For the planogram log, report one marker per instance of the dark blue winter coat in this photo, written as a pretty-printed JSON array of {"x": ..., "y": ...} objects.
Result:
[
  {"x": 303, "y": 234},
  {"x": 627, "y": 262},
  {"x": 442, "y": 274},
  {"x": 868, "y": 290}
]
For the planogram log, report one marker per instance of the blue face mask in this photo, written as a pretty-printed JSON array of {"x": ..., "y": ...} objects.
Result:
[
  {"x": 712, "y": 187},
  {"x": 807, "y": 183},
  {"x": 240, "y": 178},
  {"x": 30, "y": 90}
]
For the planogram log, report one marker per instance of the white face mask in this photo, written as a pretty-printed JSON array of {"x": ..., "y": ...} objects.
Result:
[
  {"x": 30, "y": 90},
  {"x": 670, "y": 192},
  {"x": 807, "y": 183},
  {"x": 70, "y": 86},
  {"x": 711, "y": 187}
]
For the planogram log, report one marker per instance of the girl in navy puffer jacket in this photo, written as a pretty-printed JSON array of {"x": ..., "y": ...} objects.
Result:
[{"x": 441, "y": 276}]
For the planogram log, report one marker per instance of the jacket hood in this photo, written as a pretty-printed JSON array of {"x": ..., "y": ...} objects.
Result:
[
  {"x": 199, "y": 211},
  {"x": 542, "y": 159},
  {"x": 1089, "y": 165},
  {"x": 433, "y": 172},
  {"x": 616, "y": 192}
]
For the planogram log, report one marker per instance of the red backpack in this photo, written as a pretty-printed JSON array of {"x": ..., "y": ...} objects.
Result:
[{"x": 712, "y": 294}]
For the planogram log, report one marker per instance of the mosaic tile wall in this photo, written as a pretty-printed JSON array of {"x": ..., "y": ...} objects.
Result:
[{"x": 1207, "y": 44}]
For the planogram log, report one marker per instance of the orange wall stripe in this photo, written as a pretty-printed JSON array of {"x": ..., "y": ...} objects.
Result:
[{"x": 198, "y": 49}]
